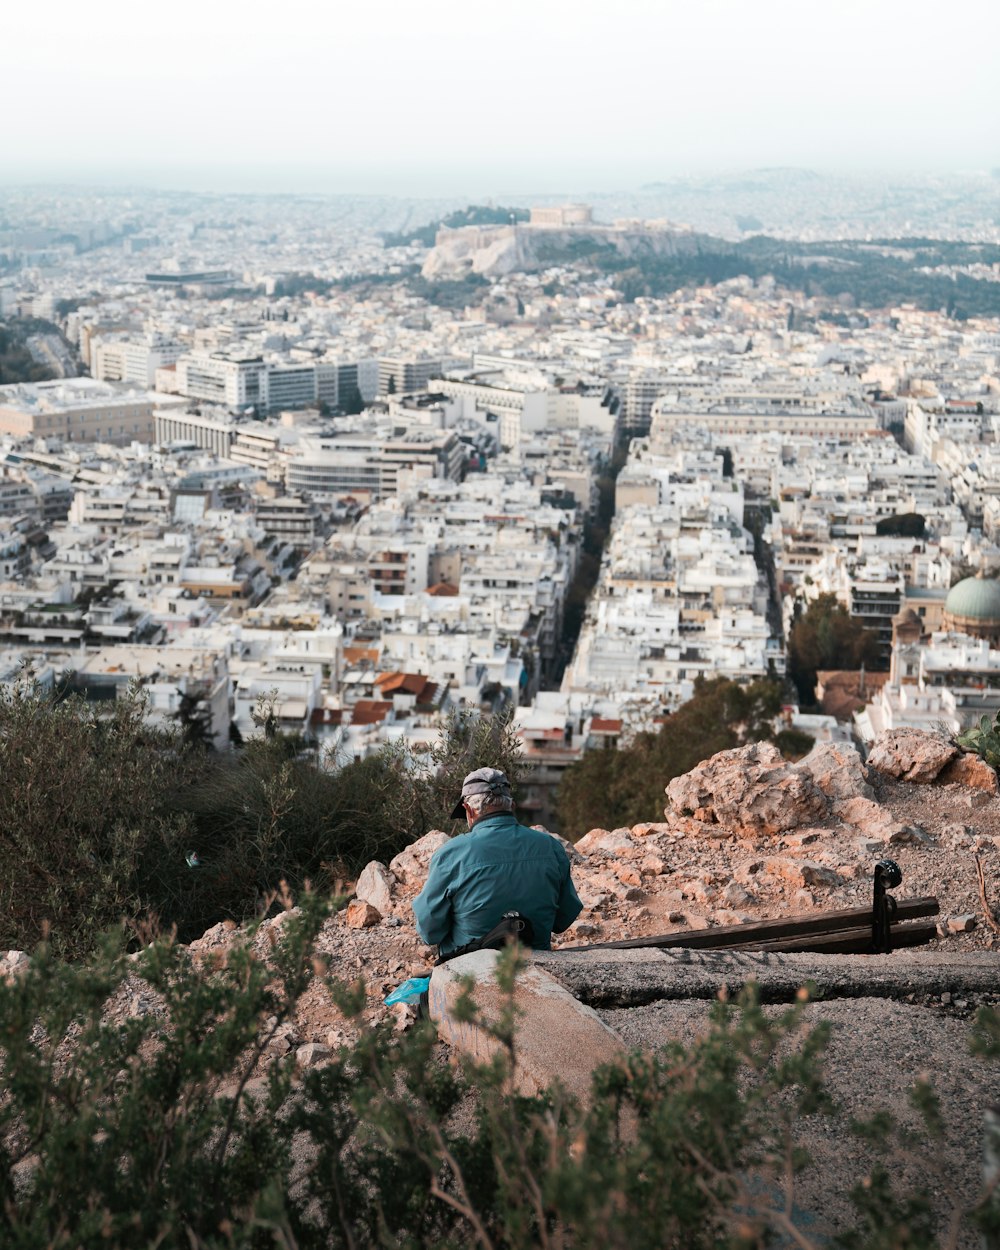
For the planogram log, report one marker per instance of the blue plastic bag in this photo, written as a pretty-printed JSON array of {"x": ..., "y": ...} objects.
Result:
[{"x": 409, "y": 991}]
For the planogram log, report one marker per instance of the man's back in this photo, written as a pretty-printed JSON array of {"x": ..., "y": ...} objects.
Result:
[{"x": 498, "y": 866}]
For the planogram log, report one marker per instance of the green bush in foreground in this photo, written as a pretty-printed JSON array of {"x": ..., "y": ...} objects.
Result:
[{"x": 148, "y": 1133}]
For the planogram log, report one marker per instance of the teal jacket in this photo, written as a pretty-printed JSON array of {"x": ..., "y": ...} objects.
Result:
[{"x": 498, "y": 866}]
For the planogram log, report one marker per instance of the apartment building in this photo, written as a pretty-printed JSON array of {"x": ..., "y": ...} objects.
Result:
[
  {"x": 236, "y": 382},
  {"x": 372, "y": 465},
  {"x": 120, "y": 358},
  {"x": 79, "y": 410}
]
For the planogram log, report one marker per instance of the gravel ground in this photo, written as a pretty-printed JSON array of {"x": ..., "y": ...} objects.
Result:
[{"x": 876, "y": 1051}]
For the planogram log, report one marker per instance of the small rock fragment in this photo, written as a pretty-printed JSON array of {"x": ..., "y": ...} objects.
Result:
[
  {"x": 311, "y": 1054},
  {"x": 361, "y": 915}
]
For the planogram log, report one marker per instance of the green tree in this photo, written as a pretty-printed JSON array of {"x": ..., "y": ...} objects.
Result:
[
  {"x": 826, "y": 636},
  {"x": 352, "y": 402},
  {"x": 609, "y": 788},
  {"x": 904, "y": 524}
]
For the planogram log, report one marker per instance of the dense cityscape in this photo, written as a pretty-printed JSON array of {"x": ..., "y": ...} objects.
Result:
[
  {"x": 500, "y": 626},
  {"x": 377, "y": 462}
]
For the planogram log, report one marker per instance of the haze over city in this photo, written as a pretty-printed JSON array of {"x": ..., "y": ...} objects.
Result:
[{"x": 452, "y": 99}]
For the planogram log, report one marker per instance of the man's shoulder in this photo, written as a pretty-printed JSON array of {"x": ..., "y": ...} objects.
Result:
[{"x": 542, "y": 839}]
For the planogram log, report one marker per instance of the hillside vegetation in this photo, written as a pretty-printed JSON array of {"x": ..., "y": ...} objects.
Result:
[
  {"x": 104, "y": 818},
  {"x": 143, "y": 1126}
]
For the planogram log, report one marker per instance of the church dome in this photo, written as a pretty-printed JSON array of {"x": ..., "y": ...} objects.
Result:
[{"x": 975, "y": 599}]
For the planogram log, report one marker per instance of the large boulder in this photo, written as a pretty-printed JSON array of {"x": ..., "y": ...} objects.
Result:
[
  {"x": 911, "y": 755},
  {"x": 837, "y": 771},
  {"x": 411, "y": 864},
  {"x": 750, "y": 790}
]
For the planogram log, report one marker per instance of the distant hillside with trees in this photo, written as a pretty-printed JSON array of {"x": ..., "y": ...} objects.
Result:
[{"x": 875, "y": 274}]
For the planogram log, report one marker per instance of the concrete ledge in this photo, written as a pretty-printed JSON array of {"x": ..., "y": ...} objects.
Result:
[
  {"x": 558, "y": 1037},
  {"x": 633, "y": 978}
]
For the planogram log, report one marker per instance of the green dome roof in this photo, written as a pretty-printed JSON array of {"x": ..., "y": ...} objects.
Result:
[{"x": 975, "y": 599}]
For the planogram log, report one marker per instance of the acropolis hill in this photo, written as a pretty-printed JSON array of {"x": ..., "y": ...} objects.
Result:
[{"x": 551, "y": 234}]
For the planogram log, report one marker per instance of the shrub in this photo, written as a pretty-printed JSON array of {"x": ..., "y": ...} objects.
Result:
[
  {"x": 983, "y": 740},
  {"x": 85, "y": 837},
  {"x": 100, "y": 814},
  {"x": 147, "y": 1130}
]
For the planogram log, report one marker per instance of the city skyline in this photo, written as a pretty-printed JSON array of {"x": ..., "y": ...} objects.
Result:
[{"x": 438, "y": 100}]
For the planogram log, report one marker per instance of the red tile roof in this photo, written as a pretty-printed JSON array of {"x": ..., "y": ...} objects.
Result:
[
  {"x": 354, "y": 655},
  {"x": 401, "y": 683},
  {"x": 369, "y": 712}
]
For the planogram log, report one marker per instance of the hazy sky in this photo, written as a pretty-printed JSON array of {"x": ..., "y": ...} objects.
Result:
[{"x": 448, "y": 96}]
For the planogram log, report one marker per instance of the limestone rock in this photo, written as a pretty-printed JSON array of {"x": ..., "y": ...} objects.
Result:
[
  {"x": 557, "y": 1036},
  {"x": 734, "y": 895},
  {"x": 911, "y": 835},
  {"x": 970, "y": 770},
  {"x": 801, "y": 872},
  {"x": 746, "y": 872},
  {"x": 647, "y": 828},
  {"x": 749, "y": 789},
  {"x": 611, "y": 842},
  {"x": 221, "y": 934},
  {"x": 627, "y": 874},
  {"x": 361, "y": 915},
  {"x": 911, "y": 755},
  {"x": 311, "y": 1054},
  {"x": 572, "y": 853},
  {"x": 868, "y": 818},
  {"x": 961, "y": 924},
  {"x": 836, "y": 769},
  {"x": 13, "y": 963},
  {"x": 411, "y": 864},
  {"x": 375, "y": 887}
]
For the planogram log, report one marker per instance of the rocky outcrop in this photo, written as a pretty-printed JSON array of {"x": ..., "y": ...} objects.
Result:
[
  {"x": 411, "y": 864},
  {"x": 970, "y": 770},
  {"x": 836, "y": 769},
  {"x": 911, "y": 755},
  {"x": 495, "y": 251},
  {"x": 751, "y": 790}
]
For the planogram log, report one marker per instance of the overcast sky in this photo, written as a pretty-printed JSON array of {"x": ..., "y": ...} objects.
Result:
[{"x": 449, "y": 96}]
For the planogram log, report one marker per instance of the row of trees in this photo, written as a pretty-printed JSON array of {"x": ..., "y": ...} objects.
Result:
[
  {"x": 872, "y": 279},
  {"x": 16, "y": 363}
]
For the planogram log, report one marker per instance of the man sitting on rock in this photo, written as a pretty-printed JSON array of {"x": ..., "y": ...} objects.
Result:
[{"x": 499, "y": 866}]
